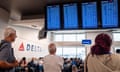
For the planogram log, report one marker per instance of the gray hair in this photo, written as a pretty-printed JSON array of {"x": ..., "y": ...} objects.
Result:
[{"x": 8, "y": 31}]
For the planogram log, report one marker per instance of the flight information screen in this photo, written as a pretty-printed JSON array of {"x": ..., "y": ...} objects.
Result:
[
  {"x": 89, "y": 15},
  {"x": 70, "y": 16},
  {"x": 109, "y": 14},
  {"x": 53, "y": 17}
]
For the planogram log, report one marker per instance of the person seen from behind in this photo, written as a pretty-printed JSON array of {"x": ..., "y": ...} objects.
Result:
[
  {"x": 52, "y": 62},
  {"x": 23, "y": 64},
  {"x": 100, "y": 58}
]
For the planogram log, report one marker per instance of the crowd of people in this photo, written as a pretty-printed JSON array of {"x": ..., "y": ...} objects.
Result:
[
  {"x": 100, "y": 58},
  {"x": 36, "y": 65},
  {"x": 73, "y": 65},
  {"x": 51, "y": 63}
]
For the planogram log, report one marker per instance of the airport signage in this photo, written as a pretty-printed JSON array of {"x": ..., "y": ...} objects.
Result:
[
  {"x": 29, "y": 47},
  {"x": 86, "y": 42}
]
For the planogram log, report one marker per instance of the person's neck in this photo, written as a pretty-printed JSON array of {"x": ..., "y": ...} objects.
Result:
[
  {"x": 52, "y": 54},
  {"x": 7, "y": 39}
]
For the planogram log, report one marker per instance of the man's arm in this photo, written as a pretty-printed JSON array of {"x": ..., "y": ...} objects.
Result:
[
  {"x": 4, "y": 57},
  {"x": 61, "y": 62},
  {"x": 6, "y": 65}
]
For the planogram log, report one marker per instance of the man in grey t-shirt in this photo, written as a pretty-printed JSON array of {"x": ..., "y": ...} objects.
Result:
[
  {"x": 7, "y": 58},
  {"x": 52, "y": 62}
]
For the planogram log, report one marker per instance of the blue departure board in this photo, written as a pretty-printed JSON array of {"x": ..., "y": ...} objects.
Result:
[
  {"x": 110, "y": 14},
  {"x": 53, "y": 17},
  {"x": 89, "y": 15},
  {"x": 70, "y": 16}
]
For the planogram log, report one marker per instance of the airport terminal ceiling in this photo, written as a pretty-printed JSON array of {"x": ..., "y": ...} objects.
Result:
[
  {"x": 30, "y": 7},
  {"x": 83, "y": 15}
]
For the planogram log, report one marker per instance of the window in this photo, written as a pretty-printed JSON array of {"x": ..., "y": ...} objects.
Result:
[
  {"x": 116, "y": 36},
  {"x": 71, "y": 37},
  {"x": 81, "y": 52},
  {"x": 59, "y": 51},
  {"x": 58, "y": 37},
  {"x": 80, "y": 37},
  {"x": 71, "y": 52}
]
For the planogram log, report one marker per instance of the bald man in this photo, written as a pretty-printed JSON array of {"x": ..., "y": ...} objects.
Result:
[{"x": 52, "y": 62}]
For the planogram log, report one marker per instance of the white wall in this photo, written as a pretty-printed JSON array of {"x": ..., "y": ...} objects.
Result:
[
  {"x": 4, "y": 17},
  {"x": 29, "y": 36}
]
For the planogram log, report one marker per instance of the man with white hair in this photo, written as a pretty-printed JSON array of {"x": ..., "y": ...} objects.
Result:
[
  {"x": 7, "y": 58},
  {"x": 52, "y": 62}
]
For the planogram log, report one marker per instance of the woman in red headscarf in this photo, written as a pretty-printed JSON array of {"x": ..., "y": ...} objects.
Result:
[{"x": 101, "y": 59}]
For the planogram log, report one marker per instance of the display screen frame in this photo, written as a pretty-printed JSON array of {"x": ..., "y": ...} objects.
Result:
[
  {"x": 117, "y": 18},
  {"x": 79, "y": 6},
  {"x": 46, "y": 17}
]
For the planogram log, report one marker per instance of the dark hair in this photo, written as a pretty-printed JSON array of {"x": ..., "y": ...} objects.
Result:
[
  {"x": 102, "y": 44},
  {"x": 24, "y": 58}
]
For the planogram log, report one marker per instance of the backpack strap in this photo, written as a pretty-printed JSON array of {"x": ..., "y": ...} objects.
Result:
[{"x": 2, "y": 45}]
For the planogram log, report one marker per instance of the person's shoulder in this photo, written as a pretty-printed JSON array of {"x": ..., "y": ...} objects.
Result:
[
  {"x": 5, "y": 46},
  {"x": 59, "y": 57},
  {"x": 115, "y": 56},
  {"x": 5, "y": 43},
  {"x": 115, "y": 59},
  {"x": 46, "y": 56}
]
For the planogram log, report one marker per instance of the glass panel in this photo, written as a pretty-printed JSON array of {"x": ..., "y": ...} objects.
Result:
[
  {"x": 80, "y": 37},
  {"x": 59, "y": 51},
  {"x": 69, "y": 52},
  {"x": 116, "y": 36},
  {"x": 58, "y": 37},
  {"x": 81, "y": 53},
  {"x": 69, "y": 37}
]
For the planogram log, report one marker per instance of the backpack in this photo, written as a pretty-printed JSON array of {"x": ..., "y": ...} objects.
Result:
[{"x": 2, "y": 45}]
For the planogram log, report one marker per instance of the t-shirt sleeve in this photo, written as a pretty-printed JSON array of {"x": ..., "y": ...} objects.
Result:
[
  {"x": 4, "y": 53},
  {"x": 61, "y": 62}
]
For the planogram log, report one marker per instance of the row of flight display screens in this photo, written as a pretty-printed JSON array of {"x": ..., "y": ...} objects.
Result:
[{"x": 89, "y": 14}]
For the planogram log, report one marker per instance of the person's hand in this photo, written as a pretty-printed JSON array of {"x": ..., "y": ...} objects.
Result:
[
  {"x": 15, "y": 64},
  {"x": 6, "y": 65}
]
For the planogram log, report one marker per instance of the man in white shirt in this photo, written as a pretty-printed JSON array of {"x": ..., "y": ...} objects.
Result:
[{"x": 52, "y": 62}]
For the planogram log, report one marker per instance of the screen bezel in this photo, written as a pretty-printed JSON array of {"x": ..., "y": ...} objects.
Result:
[{"x": 79, "y": 5}]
